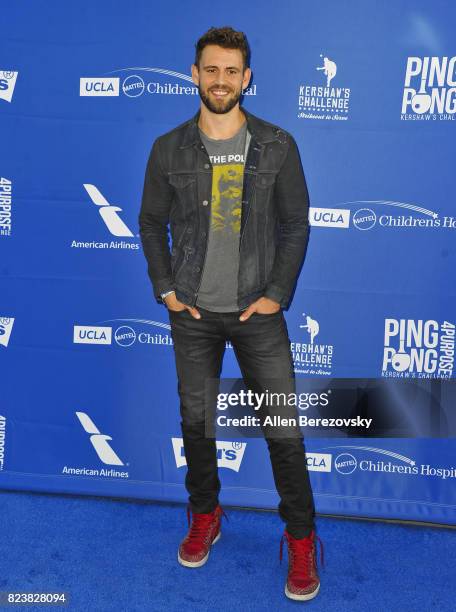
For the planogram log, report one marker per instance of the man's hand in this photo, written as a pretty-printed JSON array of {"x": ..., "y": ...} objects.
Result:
[
  {"x": 263, "y": 305},
  {"x": 172, "y": 303}
]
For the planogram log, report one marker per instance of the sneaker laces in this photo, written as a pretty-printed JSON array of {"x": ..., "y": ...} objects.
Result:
[
  {"x": 200, "y": 524},
  {"x": 300, "y": 551}
]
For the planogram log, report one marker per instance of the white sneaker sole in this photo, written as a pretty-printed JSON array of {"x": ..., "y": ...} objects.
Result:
[
  {"x": 203, "y": 560},
  {"x": 304, "y": 597}
]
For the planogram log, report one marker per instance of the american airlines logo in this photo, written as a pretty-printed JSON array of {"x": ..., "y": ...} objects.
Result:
[
  {"x": 229, "y": 454},
  {"x": 99, "y": 441},
  {"x": 108, "y": 212}
]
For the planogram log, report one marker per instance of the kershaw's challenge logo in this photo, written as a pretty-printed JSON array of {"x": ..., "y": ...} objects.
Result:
[
  {"x": 312, "y": 357},
  {"x": 325, "y": 102}
]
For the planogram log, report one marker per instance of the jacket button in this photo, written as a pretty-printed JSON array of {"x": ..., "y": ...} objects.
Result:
[
  {"x": 190, "y": 230},
  {"x": 205, "y": 202},
  {"x": 206, "y": 166},
  {"x": 197, "y": 269},
  {"x": 203, "y": 234}
]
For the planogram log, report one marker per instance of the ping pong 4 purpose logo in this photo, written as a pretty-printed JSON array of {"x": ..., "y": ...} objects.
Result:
[
  {"x": 418, "y": 349},
  {"x": 429, "y": 89}
]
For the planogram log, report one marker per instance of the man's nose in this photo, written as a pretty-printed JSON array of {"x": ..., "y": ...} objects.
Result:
[{"x": 221, "y": 79}]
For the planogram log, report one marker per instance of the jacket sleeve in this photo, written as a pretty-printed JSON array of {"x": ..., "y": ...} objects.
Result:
[
  {"x": 153, "y": 223},
  {"x": 292, "y": 201}
]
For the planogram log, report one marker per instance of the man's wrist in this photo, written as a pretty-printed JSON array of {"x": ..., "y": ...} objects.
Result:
[{"x": 163, "y": 295}]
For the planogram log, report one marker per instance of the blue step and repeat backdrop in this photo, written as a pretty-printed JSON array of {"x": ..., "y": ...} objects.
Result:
[{"x": 88, "y": 393}]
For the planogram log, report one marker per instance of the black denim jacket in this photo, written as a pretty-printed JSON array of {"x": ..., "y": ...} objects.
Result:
[{"x": 274, "y": 216}]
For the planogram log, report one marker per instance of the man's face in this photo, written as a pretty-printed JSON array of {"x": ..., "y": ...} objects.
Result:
[{"x": 220, "y": 78}]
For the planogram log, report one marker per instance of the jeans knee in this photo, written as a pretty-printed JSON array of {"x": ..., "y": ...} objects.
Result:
[{"x": 193, "y": 429}]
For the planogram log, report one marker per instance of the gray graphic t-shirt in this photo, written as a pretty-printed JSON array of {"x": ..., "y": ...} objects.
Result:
[{"x": 219, "y": 283}]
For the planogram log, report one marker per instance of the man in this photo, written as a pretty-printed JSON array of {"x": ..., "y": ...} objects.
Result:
[{"x": 232, "y": 190}]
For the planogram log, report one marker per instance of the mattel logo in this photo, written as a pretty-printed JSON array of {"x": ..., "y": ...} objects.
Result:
[
  {"x": 99, "y": 86},
  {"x": 229, "y": 454},
  {"x": 318, "y": 462},
  {"x": 86, "y": 334},
  {"x": 329, "y": 217}
]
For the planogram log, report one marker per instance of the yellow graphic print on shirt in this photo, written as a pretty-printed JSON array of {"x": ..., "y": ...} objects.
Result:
[{"x": 227, "y": 182}]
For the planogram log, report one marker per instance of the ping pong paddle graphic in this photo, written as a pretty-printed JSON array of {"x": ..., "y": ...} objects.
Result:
[
  {"x": 401, "y": 359},
  {"x": 421, "y": 101}
]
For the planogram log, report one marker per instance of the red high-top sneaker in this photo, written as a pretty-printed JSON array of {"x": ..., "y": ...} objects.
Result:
[
  {"x": 303, "y": 582},
  {"x": 204, "y": 531}
]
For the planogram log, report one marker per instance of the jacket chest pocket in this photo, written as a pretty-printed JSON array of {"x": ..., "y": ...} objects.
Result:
[
  {"x": 181, "y": 180},
  {"x": 264, "y": 188},
  {"x": 184, "y": 185}
]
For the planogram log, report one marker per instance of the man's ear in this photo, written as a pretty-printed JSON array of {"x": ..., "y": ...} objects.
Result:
[
  {"x": 246, "y": 78},
  {"x": 195, "y": 74}
]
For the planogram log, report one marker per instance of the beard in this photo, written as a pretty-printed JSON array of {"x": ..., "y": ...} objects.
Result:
[{"x": 222, "y": 105}]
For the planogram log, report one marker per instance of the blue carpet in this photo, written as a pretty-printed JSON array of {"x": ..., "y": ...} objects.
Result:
[{"x": 121, "y": 555}]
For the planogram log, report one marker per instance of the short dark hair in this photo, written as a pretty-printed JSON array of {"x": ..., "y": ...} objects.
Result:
[{"x": 224, "y": 37}]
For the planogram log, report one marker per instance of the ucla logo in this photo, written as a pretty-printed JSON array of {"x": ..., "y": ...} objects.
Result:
[
  {"x": 89, "y": 334},
  {"x": 99, "y": 86},
  {"x": 329, "y": 217}
]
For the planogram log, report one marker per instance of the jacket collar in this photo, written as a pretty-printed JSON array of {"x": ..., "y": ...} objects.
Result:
[{"x": 261, "y": 131}]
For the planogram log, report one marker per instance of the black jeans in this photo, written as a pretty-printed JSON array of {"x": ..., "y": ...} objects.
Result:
[{"x": 262, "y": 348}]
